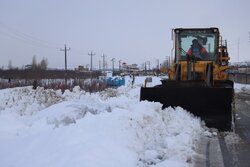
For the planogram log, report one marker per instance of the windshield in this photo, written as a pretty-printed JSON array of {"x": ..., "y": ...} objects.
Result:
[{"x": 197, "y": 43}]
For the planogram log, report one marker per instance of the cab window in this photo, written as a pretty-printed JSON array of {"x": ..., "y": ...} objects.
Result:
[{"x": 205, "y": 39}]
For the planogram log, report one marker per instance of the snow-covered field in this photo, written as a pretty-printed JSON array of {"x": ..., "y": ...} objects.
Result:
[{"x": 112, "y": 128}]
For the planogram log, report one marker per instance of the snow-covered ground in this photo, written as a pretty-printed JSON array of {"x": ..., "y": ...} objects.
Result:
[
  {"x": 241, "y": 88},
  {"x": 107, "y": 129}
]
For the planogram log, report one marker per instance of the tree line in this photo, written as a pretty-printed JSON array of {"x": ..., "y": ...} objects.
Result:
[{"x": 42, "y": 65}]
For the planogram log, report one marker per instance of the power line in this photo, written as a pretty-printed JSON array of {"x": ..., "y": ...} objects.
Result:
[{"x": 15, "y": 34}]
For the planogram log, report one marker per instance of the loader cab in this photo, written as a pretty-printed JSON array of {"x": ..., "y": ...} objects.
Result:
[{"x": 207, "y": 38}]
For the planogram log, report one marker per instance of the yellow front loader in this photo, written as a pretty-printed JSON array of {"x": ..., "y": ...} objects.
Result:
[{"x": 198, "y": 80}]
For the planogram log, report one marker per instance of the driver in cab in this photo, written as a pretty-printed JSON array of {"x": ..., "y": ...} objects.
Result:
[{"x": 196, "y": 50}]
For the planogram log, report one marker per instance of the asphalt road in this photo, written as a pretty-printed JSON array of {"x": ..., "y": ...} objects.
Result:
[{"x": 228, "y": 149}]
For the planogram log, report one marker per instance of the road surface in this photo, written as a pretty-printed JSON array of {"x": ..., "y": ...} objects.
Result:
[{"x": 228, "y": 149}]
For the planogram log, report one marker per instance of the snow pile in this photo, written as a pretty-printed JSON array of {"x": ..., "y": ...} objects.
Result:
[
  {"x": 232, "y": 138},
  {"x": 25, "y": 100},
  {"x": 110, "y": 128},
  {"x": 242, "y": 88}
]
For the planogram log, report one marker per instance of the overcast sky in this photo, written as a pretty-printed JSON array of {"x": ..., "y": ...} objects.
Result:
[{"x": 134, "y": 31}]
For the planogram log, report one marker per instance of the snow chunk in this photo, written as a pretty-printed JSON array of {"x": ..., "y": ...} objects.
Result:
[{"x": 232, "y": 138}]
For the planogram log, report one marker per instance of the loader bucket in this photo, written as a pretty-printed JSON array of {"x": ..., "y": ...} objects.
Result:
[{"x": 211, "y": 104}]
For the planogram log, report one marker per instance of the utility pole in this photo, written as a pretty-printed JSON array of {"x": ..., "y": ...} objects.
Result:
[
  {"x": 103, "y": 61},
  {"x": 91, "y": 65},
  {"x": 249, "y": 37},
  {"x": 238, "y": 51},
  {"x": 158, "y": 67},
  {"x": 113, "y": 60},
  {"x": 158, "y": 64},
  {"x": 100, "y": 65},
  {"x": 169, "y": 61},
  {"x": 120, "y": 65},
  {"x": 65, "y": 51}
]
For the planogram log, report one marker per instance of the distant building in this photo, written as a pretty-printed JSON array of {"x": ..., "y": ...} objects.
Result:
[
  {"x": 130, "y": 69},
  {"x": 27, "y": 67},
  {"x": 81, "y": 69}
]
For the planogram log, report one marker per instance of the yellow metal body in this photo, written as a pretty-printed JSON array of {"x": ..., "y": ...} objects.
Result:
[{"x": 199, "y": 66}]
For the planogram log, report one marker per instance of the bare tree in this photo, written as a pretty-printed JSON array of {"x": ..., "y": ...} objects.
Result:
[
  {"x": 10, "y": 65},
  {"x": 34, "y": 62},
  {"x": 44, "y": 64}
]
